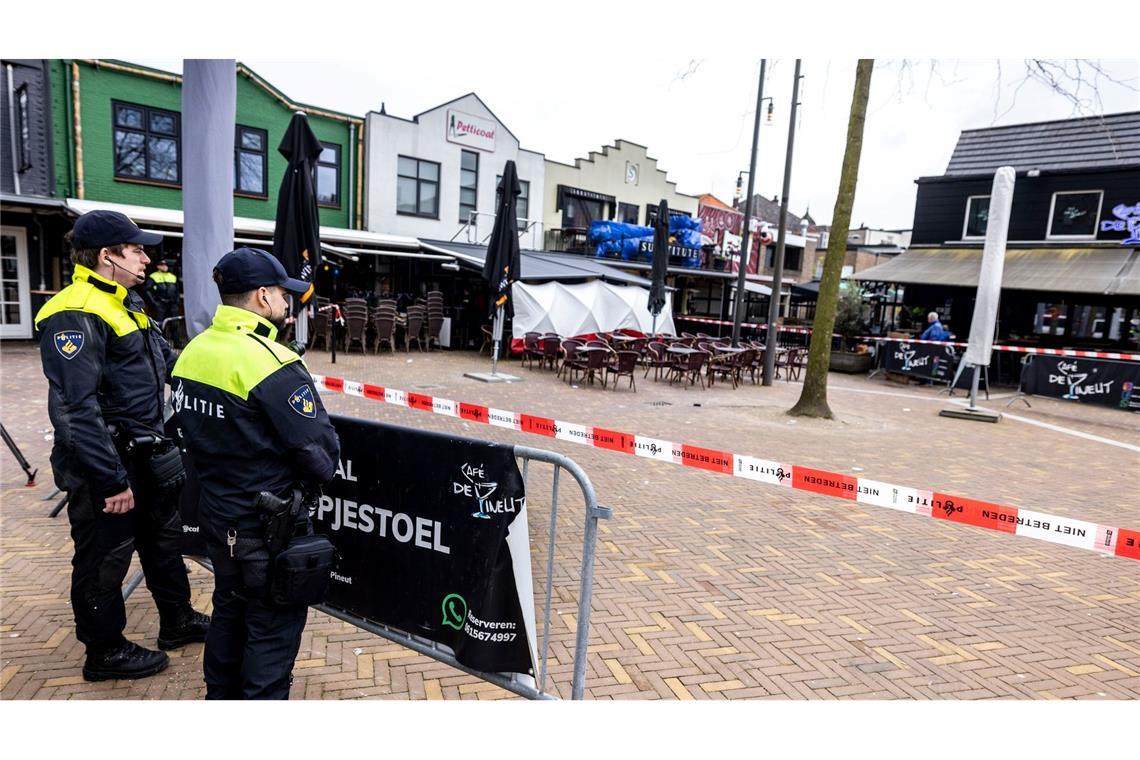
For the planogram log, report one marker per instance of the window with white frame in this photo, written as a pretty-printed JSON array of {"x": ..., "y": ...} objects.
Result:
[
  {"x": 977, "y": 216},
  {"x": 1075, "y": 214}
]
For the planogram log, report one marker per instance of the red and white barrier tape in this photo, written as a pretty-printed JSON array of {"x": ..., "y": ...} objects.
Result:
[
  {"x": 1023, "y": 522},
  {"x": 1016, "y": 349}
]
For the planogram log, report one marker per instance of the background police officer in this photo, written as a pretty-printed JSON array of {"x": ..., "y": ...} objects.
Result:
[
  {"x": 106, "y": 367},
  {"x": 162, "y": 293},
  {"x": 252, "y": 422}
]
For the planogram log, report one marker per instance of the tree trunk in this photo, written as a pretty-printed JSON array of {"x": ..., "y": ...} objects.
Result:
[{"x": 813, "y": 398}]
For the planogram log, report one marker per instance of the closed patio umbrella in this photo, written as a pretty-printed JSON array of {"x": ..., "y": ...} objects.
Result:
[
  {"x": 296, "y": 235},
  {"x": 501, "y": 267},
  {"x": 660, "y": 262}
]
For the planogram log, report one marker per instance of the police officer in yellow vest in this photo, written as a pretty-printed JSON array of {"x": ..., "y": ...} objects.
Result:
[
  {"x": 252, "y": 422},
  {"x": 106, "y": 367},
  {"x": 162, "y": 292}
]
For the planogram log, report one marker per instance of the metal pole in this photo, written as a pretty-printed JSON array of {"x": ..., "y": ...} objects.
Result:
[
  {"x": 974, "y": 388},
  {"x": 24, "y": 465},
  {"x": 497, "y": 334},
  {"x": 745, "y": 243},
  {"x": 774, "y": 304}
]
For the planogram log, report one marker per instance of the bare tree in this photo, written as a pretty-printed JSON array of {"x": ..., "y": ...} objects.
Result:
[{"x": 813, "y": 398}]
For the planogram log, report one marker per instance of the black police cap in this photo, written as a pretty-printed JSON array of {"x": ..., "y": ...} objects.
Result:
[
  {"x": 99, "y": 229},
  {"x": 246, "y": 269}
]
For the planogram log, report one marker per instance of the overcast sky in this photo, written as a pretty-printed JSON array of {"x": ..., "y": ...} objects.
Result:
[
  {"x": 695, "y": 115},
  {"x": 678, "y": 77}
]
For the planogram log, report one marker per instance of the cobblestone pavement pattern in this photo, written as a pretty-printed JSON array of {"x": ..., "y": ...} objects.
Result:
[{"x": 707, "y": 587}]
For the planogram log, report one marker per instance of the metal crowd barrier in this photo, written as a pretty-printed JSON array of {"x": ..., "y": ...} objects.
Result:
[{"x": 511, "y": 682}]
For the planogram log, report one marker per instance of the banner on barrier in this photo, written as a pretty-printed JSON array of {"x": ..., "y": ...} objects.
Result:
[
  {"x": 930, "y": 361},
  {"x": 1090, "y": 381},
  {"x": 433, "y": 540}
]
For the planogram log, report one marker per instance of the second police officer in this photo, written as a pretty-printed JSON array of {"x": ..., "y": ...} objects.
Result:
[
  {"x": 252, "y": 422},
  {"x": 106, "y": 367}
]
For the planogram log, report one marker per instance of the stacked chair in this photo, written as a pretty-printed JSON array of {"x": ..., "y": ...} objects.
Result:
[
  {"x": 383, "y": 318},
  {"x": 414, "y": 326},
  {"x": 356, "y": 322},
  {"x": 319, "y": 329},
  {"x": 434, "y": 317}
]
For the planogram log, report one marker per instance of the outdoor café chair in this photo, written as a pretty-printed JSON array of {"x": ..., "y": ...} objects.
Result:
[
  {"x": 318, "y": 327},
  {"x": 785, "y": 359},
  {"x": 594, "y": 365},
  {"x": 624, "y": 363},
  {"x": 488, "y": 338},
  {"x": 435, "y": 326},
  {"x": 657, "y": 359},
  {"x": 385, "y": 327},
  {"x": 569, "y": 353},
  {"x": 722, "y": 365},
  {"x": 797, "y": 360},
  {"x": 413, "y": 328},
  {"x": 356, "y": 324},
  {"x": 531, "y": 348},
  {"x": 689, "y": 365}
]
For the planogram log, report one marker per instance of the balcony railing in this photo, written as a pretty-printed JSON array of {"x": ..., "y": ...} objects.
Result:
[{"x": 477, "y": 231}]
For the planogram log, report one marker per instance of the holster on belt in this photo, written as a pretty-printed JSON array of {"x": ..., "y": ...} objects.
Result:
[
  {"x": 157, "y": 459},
  {"x": 279, "y": 518}
]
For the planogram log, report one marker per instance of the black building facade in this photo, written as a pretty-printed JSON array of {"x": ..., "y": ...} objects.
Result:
[
  {"x": 1072, "y": 268},
  {"x": 34, "y": 221}
]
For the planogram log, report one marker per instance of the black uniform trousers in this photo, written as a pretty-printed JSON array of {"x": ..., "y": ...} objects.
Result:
[
  {"x": 252, "y": 643},
  {"x": 104, "y": 544}
]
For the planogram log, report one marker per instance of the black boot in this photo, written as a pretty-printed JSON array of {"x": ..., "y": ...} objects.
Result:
[
  {"x": 128, "y": 660},
  {"x": 188, "y": 627}
]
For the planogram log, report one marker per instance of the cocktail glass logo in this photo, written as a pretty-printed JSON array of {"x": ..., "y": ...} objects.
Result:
[
  {"x": 1071, "y": 377},
  {"x": 1127, "y": 219},
  {"x": 454, "y": 609},
  {"x": 476, "y": 486},
  {"x": 906, "y": 352}
]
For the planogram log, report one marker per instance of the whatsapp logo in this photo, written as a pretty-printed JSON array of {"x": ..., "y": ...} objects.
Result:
[{"x": 454, "y": 611}]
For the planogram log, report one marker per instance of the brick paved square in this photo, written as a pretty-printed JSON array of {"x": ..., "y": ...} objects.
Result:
[{"x": 706, "y": 586}]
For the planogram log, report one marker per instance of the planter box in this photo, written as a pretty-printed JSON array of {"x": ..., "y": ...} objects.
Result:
[{"x": 852, "y": 363}]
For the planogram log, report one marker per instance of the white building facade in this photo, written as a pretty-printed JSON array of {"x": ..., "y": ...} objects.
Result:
[{"x": 435, "y": 176}]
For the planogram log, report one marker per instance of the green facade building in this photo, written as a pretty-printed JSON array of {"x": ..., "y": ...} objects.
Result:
[{"x": 117, "y": 139}]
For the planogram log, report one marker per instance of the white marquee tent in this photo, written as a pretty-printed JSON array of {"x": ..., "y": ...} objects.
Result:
[{"x": 587, "y": 307}]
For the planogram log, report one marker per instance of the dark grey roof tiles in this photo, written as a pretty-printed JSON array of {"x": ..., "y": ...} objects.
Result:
[{"x": 1108, "y": 141}]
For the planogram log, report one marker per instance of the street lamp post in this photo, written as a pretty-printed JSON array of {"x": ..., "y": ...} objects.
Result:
[
  {"x": 745, "y": 242},
  {"x": 778, "y": 275}
]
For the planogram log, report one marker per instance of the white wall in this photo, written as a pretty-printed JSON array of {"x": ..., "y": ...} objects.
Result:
[{"x": 388, "y": 137}]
